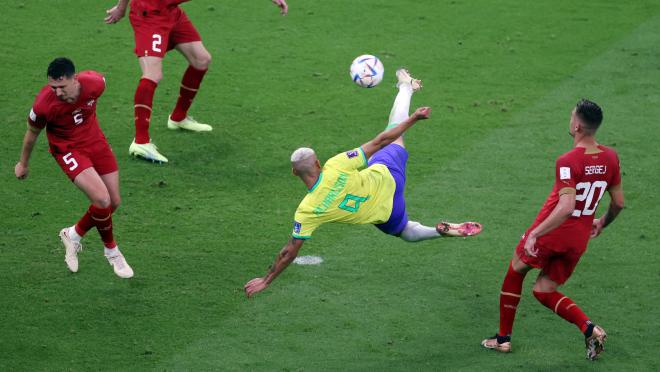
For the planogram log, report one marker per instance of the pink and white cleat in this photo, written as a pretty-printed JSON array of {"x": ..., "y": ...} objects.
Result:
[{"x": 464, "y": 229}]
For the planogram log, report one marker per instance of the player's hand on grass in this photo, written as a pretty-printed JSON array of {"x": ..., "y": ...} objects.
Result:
[
  {"x": 422, "y": 113},
  {"x": 21, "y": 171},
  {"x": 282, "y": 5},
  {"x": 254, "y": 286},
  {"x": 115, "y": 14},
  {"x": 596, "y": 227},
  {"x": 530, "y": 248}
]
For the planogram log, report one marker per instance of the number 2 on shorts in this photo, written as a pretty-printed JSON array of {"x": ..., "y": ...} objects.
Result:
[{"x": 155, "y": 44}]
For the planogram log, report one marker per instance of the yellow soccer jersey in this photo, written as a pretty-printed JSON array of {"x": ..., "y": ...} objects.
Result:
[{"x": 344, "y": 194}]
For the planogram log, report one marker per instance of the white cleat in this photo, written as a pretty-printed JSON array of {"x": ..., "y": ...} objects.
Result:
[
  {"x": 493, "y": 344},
  {"x": 403, "y": 76},
  {"x": 71, "y": 250},
  {"x": 147, "y": 151},
  {"x": 188, "y": 124},
  {"x": 119, "y": 265}
]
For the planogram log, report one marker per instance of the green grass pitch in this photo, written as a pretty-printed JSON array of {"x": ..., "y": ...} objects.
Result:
[{"x": 502, "y": 77}]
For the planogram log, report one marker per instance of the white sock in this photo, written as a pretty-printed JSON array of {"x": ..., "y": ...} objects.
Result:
[
  {"x": 73, "y": 234},
  {"x": 416, "y": 232},
  {"x": 401, "y": 105},
  {"x": 111, "y": 252}
]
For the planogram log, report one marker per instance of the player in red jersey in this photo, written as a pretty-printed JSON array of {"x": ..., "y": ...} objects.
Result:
[
  {"x": 160, "y": 26},
  {"x": 66, "y": 107},
  {"x": 559, "y": 235}
]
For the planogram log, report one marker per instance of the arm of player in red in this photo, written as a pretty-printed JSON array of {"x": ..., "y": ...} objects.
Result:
[
  {"x": 286, "y": 256},
  {"x": 616, "y": 205},
  {"x": 562, "y": 211},
  {"x": 284, "y": 8},
  {"x": 117, "y": 12},
  {"x": 390, "y": 135},
  {"x": 21, "y": 169}
]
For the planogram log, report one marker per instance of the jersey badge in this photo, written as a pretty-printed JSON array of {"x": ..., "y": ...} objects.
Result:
[
  {"x": 352, "y": 154},
  {"x": 564, "y": 173},
  {"x": 90, "y": 103},
  {"x": 296, "y": 227}
]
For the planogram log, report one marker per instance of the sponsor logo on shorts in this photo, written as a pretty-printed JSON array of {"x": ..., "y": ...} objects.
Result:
[
  {"x": 296, "y": 227},
  {"x": 352, "y": 154}
]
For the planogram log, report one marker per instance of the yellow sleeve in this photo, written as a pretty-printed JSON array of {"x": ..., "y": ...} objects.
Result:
[
  {"x": 304, "y": 224},
  {"x": 349, "y": 160}
]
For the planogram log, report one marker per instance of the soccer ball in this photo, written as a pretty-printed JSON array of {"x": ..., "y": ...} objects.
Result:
[{"x": 367, "y": 71}]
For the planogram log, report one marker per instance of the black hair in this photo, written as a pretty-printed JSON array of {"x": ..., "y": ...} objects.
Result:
[
  {"x": 589, "y": 113},
  {"x": 61, "y": 67}
]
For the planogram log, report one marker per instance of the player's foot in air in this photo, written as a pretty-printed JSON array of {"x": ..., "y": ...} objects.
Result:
[
  {"x": 595, "y": 343},
  {"x": 71, "y": 249},
  {"x": 188, "y": 124},
  {"x": 147, "y": 151},
  {"x": 403, "y": 76},
  {"x": 498, "y": 343},
  {"x": 119, "y": 264},
  {"x": 458, "y": 229}
]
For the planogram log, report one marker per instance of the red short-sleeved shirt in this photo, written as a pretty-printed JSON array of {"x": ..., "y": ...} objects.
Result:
[
  {"x": 590, "y": 174},
  {"x": 70, "y": 125}
]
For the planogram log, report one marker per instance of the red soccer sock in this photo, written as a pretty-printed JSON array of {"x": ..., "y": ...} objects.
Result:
[
  {"x": 85, "y": 223},
  {"x": 103, "y": 221},
  {"x": 144, "y": 97},
  {"x": 192, "y": 78},
  {"x": 564, "y": 307},
  {"x": 509, "y": 299}
]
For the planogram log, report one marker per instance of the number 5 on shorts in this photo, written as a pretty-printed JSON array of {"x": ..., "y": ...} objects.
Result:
[
  {"x": 68, "y": 160},
  {"x": 155, "y": 44}
]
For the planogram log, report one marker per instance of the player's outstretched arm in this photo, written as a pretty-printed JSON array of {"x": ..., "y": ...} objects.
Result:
[
  {"x": 562, "y": 211},
  {"x": 284, "y": 8},
  {"x": 286, "y": 256},
  {"x": 21, "y": 168},
  {"x": 388, "y": 136},
  {"x": 117, "y": 12},
  {"x": 616, "y": 206}
]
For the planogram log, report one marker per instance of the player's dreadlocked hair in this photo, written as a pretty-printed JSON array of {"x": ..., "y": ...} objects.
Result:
[
  {"x": 61, "y": 67},
  {"x": 589, "y": 113}
]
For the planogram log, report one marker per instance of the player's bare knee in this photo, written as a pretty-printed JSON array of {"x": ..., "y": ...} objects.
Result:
[
  {"x": 206, "y": 60},
  {"x": 544, "y": 286},
  {"x": 202, "y": 61},
  {"x": 115, "y": 202},
  {"x": 518, "y": 265},
  {"x": 102, "y": 201},
  {"x": 155, "y": 76}
]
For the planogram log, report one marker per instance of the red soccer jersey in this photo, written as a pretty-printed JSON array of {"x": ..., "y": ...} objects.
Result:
[
  {"x": 151, "y": 5},
  {"x": 70, "y": 125},
  {"x": 590, "y": 174}
]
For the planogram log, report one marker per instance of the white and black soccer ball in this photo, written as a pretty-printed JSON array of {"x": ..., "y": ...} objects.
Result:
[{"x": 367, "y": 71}]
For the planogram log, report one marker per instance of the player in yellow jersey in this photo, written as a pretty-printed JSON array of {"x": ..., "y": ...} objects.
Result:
[{"x": 340, "y": 192}]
